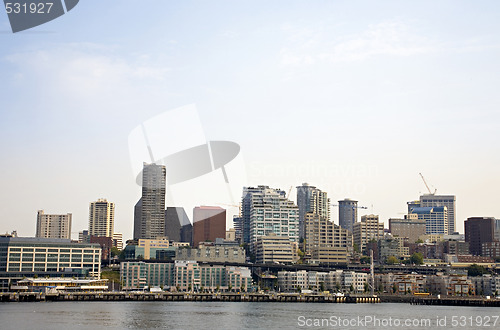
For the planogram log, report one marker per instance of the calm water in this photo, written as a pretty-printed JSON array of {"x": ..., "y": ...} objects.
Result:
[{"x": 221, "y": 315}]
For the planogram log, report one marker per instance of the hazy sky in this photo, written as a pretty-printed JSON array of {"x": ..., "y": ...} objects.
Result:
[{"x": 354, "y": 97}]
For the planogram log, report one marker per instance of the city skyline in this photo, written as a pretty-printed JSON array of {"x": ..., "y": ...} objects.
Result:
[{"x": 355, "y": 100}]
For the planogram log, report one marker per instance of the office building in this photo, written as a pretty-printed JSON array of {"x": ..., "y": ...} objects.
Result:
[
  {"x": 22, "y": 257},
  {"x": 325, "y": 241},
  {"x": 311, "y": 200},
  {"x": 275, "y": 249},
  {"x": 213, "y": 253},
  {"x": 411, "y": 227},
  {"x": 209, "y": 223},
  {"x": 83, "y": 236},
  {"x": 118, "y": 241},
  {"x": 348, "y": 213},
  {"x": 436, "y": 219},
  {"x": 238, "y": 228},
  {"x": 53, "y": 225},
  {"x": 368, "y": 229},
  {"x": 478, "y": 231},
  {"x": 448, "y": 201},
  {"x": 175, "y": 219},
  {"x": 101, "y": 218},
  {"x": 149, "y": 212},
  {"x": 269, "y": 212}
]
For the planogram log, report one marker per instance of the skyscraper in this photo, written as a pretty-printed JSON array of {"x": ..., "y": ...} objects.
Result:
[
  {"x": 348, "y": 213},
  {"x": 436, "y": 219},
  {"x": 367, "y": 229},
  {"x": 149, "y": 213},
  {"x": 53, "y": 225},
  {"x": 101, "y": 218},
  {"x": 311, "y": 200},
  {"x": 246, "y": 206},
  {"x": 429, "y": 200},
  {"x": 209, "y": 223},
  {"x": 478, "y": 231},
  {"x": 269, "y": 211},
  {"x": 175, "y": 219}
]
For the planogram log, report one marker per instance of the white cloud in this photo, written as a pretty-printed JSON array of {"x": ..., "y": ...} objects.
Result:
[{"x": 309, "y": 46}]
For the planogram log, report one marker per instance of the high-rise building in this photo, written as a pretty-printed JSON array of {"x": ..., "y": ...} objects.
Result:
[
  {"x": 478, "y": 231},
  {"x": 246, "y": 206},
  {"x": 367, "y": 229},
  {"x": 175, "y": 219},
  {"x": 411, "y": 227},
  {"x": 429, "y": 200},
  {"x": 320, "y": 232},
  {"x": 269, "y": 211},
  {"x": 313, "y": 200},
  {"x": 101, "y": 218},
  {"x": 209, "y": 223},
  {"x": 436, "y": 219},
  {"x": 53, "y": 225},
  {"x": 238, "y": 227},
  {"x": 348, "y": 213},
  {"x": 149, "y": 213}
]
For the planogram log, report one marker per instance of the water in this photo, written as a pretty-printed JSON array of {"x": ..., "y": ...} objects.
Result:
[{"x": 236, "y": 315}]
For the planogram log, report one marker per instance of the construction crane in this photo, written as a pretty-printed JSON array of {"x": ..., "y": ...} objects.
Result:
[
  {"x": 430, "y": 192},
  {"x": 289, "y": 191},
  {"x": 357, "y": 207}
]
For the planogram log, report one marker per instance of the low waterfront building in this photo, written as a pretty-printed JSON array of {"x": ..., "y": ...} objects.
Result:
[
  {"x": 64, "y": 284},
  {"x": 22, "y": 257},
  {"x": 338, "y": 281},
  {"x": 184, "y": 275}
]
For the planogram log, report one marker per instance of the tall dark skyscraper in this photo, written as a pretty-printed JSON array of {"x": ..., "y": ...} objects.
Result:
[
  {"x": 311, "y": 200},
  {"x": 149, "y": 213},
  {"x": 175, "y": 219},
  {"x": 479, "y": 231},
  {"x": 348, "y": 213}
]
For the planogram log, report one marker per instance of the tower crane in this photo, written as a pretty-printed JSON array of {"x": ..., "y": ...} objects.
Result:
[{"x": 427, "y": 186}]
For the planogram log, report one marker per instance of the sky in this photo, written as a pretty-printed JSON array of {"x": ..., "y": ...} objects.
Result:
[{"x": 354, "y": 97}]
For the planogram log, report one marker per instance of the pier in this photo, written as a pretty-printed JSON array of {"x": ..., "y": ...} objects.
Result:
[{"x": 167, "y": 296}]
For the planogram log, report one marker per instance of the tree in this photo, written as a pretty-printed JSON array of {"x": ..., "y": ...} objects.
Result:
[
  {"x": 351, "y": 288},
  {"x": 365, "y": 260},
  {"x": 322, "y": 286},
  {"x": 115, "y": 252},
  {"x": 476, "y": 270},
  {"x": 356, "y": 248},
  {"x": 417, "y": 258},
  {"x": 394, "y": 288},
  {"x": 367, "y": 287},
  {"x": 419, "y": 241},
  {"x": 391, "y": 260},
  {"x": 337, "y": 286}
]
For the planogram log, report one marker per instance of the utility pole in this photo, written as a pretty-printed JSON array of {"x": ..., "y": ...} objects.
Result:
[{"x": 372, "y": 277}]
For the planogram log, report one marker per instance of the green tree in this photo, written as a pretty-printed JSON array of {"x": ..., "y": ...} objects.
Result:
[
  {"x": 356, "y": 248},
  {"x": 394, "y": 288},
  {"x": 365, "y": 260},
  {"x": 351, "y": 288},
  {"x": 419, "y": 241},
  {"x": 476, "y": 270},
  {"x": 367, "y": 287},
  {"x": 391, "y": 260},
  {"x": 417, "y": 258}
]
